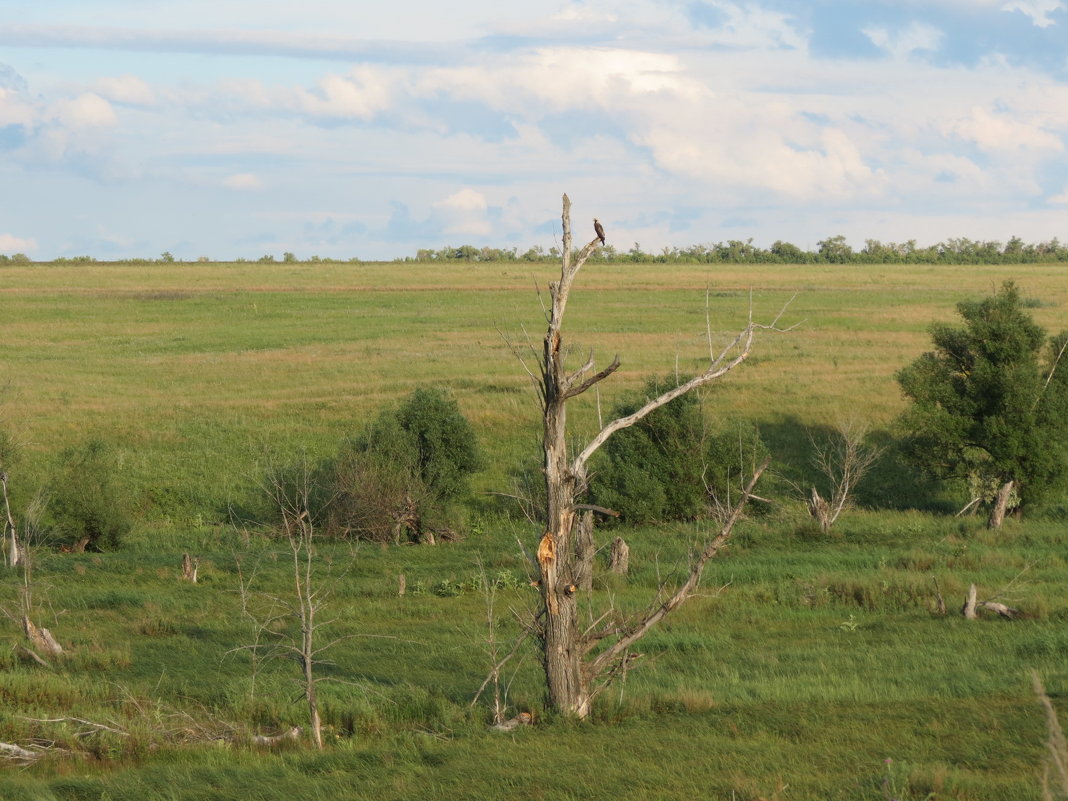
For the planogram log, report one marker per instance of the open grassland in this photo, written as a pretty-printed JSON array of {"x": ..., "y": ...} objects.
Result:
[
  {"x": 809, "y": 662},
  {"x": 191, "y": 371}
]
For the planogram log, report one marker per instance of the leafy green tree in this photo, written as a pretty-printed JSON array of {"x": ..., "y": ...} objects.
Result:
[{"x": 990, "y": 404}]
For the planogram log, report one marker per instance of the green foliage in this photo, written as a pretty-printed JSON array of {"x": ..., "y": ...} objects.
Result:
[
  {"x": 986, "y": 407},
  {"x": 87, "y": 506},
  {"x": 405, "y": 471},
  {"x": 437, "y": 441},
  {"x": 652, "y": 471}
]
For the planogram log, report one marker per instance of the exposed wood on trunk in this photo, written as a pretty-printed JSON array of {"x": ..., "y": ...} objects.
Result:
[
  {"x": 620, "y": 558},
  {"x": 968, "y": 610},
  {"x": 42, "y": 639},
  {"x": 190, "y": 567},
  {"x": 402, "y": 585},
  {"x": 565, "y": 551},
  {"x": 1001, "y": 504}
]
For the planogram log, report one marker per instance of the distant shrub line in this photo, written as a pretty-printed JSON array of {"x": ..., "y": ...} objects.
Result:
[{"x": 833, "y": 250}]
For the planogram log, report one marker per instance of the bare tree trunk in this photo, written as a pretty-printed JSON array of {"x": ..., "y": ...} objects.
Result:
[
  {"x": 1001, "y": 503},
  {"x": 565, "y": 552},
  {"x": 620, "y": 559},
  {"x": 969, "y": 603}
]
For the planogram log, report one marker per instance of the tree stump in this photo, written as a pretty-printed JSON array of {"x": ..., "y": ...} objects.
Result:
[
  {"x": 620, "y": 558},
  {"x": 968, "y": 610},
  {"x": 190, "y": 567}
]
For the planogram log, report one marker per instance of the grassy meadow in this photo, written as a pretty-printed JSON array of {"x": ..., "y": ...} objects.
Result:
[{"x": 811, "y": 667}]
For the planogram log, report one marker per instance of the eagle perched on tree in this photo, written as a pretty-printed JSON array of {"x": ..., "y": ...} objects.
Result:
[{"x": 598, "y": 229}]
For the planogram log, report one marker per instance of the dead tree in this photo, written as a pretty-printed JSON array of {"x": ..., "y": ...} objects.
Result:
[
  {"x": 577, "y": 662},
  {"x": 844, "y": 459}
]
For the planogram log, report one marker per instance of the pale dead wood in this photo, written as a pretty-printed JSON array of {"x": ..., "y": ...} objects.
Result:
[
  {"x": 270, "y": 740},
  {"x": 18, "y": 753},
  {"x": 42, "y": 639},
  {"x": 565, "y": 554},
  {"x": 1001, "y": 609},
  {"x": 190, "y": 565},
  {"x": 1001, "y": 505},
  {"x": 968, "y": 610},
  {"x": 522, "y": 719},
  {"x": 92, "y": 726}
]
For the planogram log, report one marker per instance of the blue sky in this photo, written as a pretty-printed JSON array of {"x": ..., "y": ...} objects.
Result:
[{"x": 231, "y": 128}]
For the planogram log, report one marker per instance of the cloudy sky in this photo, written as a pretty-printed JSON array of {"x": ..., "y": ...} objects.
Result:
[{"x": 239, "y": 128}]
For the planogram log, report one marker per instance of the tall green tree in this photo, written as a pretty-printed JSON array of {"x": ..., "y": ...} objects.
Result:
[{"x": 990, "y": 404}]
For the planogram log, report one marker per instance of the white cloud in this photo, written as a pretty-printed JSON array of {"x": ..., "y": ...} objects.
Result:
[
  {"x": 1060, "y": 199},
  {"x": 244, "y": 181},
  {"x": 903, "y": 42},
  {"x": 464, "y": 213},
  {"x": 88, "y": 110},
  {"x": 1038, "y": 10},
  {"x": 1000, "y": 133},
  {"x": 125, "y": 89},
  {"x": 360, "y": 94},
  {"x": 14, "y": 110},
  {"x": 14, "y": 244}
]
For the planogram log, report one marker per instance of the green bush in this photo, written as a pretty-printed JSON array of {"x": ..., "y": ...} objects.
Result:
[
  {"x": 669, "y": 466},
  {"x": 652, "y": 470},
  {"x": 88, "y": 509},
  {"x": 404, "y": 476}
]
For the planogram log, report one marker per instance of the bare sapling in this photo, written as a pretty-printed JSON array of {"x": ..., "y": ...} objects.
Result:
[
  {"x": 494, "y": 649},
  {"x": 844, "y": 459},
  {"x": 296, "y": 498},
  {"x": 578, "y": 659}
]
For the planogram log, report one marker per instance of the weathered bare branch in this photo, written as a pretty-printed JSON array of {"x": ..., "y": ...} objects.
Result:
[
  {"x": 589, "y": 382},
  {"x": 716, "y": 370}
]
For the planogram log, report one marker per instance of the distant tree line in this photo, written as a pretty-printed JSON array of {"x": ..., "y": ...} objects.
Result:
[{"x": 833, "y": 250}]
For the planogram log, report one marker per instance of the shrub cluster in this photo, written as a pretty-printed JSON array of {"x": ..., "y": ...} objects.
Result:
[{"x": 669, "y": 466}]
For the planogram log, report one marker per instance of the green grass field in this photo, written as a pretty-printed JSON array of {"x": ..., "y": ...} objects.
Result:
[{"x": 809, "y": 661}]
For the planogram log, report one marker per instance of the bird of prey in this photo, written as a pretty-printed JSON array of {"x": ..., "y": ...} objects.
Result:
[{"x": 599, "y": 229}]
